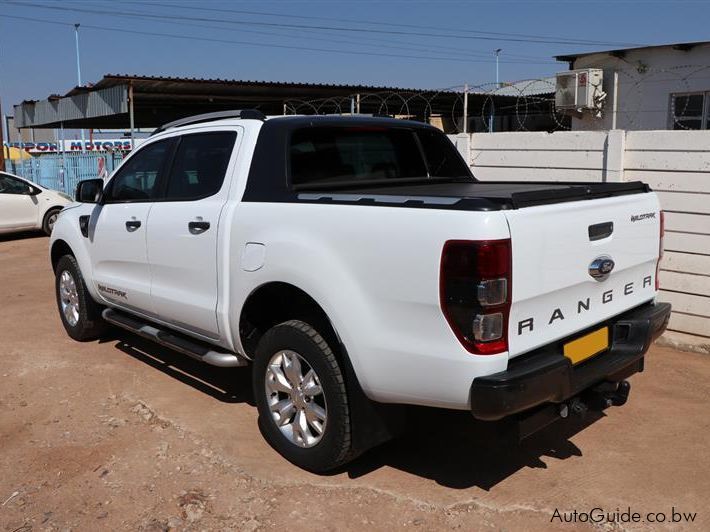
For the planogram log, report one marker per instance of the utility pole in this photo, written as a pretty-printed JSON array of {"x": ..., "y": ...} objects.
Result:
[
  {"x": 78, "y": 62},
  {"x": 78, "y": 73},
  {"x": 497, "y": 51}
]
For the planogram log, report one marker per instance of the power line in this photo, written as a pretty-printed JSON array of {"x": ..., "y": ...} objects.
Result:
[
  {"x": 250, "y": 43},
  {"x": 378, "y": 23},
  {"x": 400, "y": 45},
  {"x": 294, "y": 26}
]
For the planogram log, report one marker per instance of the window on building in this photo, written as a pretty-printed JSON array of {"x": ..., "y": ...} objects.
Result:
[{"x": 690, "y": 110}]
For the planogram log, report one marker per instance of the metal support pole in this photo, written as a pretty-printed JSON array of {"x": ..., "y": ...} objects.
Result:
[
  {"x": 615, "y": 101},
  {"x": 61, "y": 141},
  {"x": 130, "y": 115},
  {"x": 63, "y": 169},
  {"x": 2, "y": 143},
  {"x": 352, "y": 105},
  {"x": 357, "y": 103},
  {"x": 465, "y": 108}
]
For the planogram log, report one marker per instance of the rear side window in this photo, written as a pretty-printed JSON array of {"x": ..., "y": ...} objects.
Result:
[
  {"x": 200, "y": 165},
  {"x": 347, "y": 154},
  {"x": 135, "y": 180}
]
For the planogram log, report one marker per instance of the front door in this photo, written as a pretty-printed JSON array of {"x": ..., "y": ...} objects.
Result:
[
  {"x": 119, "y": 227},
  {"x": 183, "y": 230},
  {"x": 18, "y": 207}
]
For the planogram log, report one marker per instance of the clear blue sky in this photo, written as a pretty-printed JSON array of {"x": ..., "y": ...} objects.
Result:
[{"x": 37, "y": 59}]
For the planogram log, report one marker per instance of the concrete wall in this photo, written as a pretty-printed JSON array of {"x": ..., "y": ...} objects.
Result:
[
  {"x": 647, "y": 78},
  {"x": 675, "y": 163}
]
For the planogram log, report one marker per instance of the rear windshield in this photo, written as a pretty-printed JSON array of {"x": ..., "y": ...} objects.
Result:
[{"x": 351, "y": 154}]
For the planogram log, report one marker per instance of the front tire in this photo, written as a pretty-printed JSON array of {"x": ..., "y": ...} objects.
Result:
[
  {"x": 301, "y": 397},
  {"x": 80, "y": 314}
]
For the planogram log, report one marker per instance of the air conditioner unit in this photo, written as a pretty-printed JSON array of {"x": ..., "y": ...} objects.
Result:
[{"x": 579, "y": 89}]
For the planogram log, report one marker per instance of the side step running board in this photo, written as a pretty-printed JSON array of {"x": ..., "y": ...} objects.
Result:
[{"x": 187, "y": 346}]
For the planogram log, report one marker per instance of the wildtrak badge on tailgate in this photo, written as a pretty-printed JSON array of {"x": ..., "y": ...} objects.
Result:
[{"x": 644, "y": 216}]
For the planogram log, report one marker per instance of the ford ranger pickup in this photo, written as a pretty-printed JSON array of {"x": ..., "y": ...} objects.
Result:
[{"x": 356, "y": 265}]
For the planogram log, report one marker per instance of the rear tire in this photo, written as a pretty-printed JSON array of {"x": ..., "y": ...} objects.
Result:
[
  {"x": 80, "y": 314},
  {"x": 49, "y": 218},
  {"x": 301, "y": 397}
]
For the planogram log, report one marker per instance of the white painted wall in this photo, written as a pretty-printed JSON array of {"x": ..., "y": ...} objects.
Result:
[
  {"x": 675, "y": 163},
  {"x": 647, "y": 78}
]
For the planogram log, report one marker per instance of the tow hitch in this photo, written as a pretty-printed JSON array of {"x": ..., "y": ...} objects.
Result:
[{"x": 597, "y": 398}]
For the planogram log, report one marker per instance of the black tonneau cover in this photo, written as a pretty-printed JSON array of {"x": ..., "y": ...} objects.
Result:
[{"x": 476, "y": 195}]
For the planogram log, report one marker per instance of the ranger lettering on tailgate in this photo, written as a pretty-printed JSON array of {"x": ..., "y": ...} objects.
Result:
[{"x": 528, "y": 324}]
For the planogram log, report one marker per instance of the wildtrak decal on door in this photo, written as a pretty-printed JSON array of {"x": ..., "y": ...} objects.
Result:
[
  {"x": 112, "y": 291},
  {"x": 583, "y": 305}
]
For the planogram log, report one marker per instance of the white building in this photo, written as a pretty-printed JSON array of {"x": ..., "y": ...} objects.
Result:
[{"x": 655, "y": 87}]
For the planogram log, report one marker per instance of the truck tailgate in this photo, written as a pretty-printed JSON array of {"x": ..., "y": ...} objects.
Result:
[{"x": 554, "y": 295}]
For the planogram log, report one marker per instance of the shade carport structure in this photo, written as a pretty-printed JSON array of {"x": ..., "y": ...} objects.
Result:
[{"x": 121, "y": 101}]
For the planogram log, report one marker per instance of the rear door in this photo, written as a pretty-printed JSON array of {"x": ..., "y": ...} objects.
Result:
[
  {"x": 184, "y": 225},
  {"x": 119, "y": 228},
  {"x": 18, "y": 207},
  {"x": 556, "y": 290}
]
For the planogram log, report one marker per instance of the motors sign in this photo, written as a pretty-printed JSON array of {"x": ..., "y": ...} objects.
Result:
[{"x": 88, "y": 146}]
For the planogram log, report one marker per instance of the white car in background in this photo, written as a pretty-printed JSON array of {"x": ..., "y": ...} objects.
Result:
[{"x": 25, "y": 205}]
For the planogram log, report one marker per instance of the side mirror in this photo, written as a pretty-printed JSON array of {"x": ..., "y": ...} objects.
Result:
[{"x": 89, "y": 191}]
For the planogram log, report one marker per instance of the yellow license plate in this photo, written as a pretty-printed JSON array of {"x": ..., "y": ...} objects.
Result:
[{"x": 587, "y": 346}]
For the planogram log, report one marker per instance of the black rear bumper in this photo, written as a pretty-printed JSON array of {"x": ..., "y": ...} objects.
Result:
[{"x": 546, "y": 376}]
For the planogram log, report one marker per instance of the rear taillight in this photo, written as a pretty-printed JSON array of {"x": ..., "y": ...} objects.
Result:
[
  {"x": 662, "y": 232},
  {"x": 475, "y": 293}
]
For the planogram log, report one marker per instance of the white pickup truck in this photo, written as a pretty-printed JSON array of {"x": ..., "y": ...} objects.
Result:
[{"x": 356, "y": 264}]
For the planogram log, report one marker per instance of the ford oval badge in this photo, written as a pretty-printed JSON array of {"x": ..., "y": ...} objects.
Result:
[{"x": 601, "y": 267}]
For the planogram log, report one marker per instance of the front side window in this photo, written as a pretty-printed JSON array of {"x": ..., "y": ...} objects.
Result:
[
  {"x": 136, "y": 180},
  {"x": 10, "y": 185},
  {"x": 322, "y": 155},
  {"x": 200, "y": 165}
]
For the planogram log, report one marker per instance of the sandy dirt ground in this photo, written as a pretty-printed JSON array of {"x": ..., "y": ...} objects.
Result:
[{"x": 123, "y": 435}]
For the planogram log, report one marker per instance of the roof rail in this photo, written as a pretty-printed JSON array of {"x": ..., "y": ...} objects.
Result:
[{"x": 253, "y": 114}]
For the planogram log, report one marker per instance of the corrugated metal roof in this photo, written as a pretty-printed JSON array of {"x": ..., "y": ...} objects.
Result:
[
  {"x": 110, "y": 80},
  {"x": 103, "y": 102},
  {"x": 527, "y": 87}
]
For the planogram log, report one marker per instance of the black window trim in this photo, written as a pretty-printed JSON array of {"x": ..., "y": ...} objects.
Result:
[{"x": 161, "y": 181}]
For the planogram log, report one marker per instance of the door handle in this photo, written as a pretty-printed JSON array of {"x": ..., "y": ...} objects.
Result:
[
  {"x": 132, "y": 225},
  {"x": 199, "y": 227}
]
